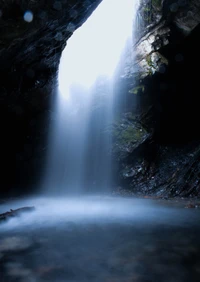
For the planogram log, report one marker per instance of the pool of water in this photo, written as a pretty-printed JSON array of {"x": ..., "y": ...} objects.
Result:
[{"x": 100, "y": 239}]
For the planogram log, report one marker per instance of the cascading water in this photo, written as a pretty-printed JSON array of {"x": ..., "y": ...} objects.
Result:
[{"x": 80, "y": 145}]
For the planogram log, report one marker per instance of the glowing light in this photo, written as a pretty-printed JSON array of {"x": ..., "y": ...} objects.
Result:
[
  {"x": 28, "y": 16},
  {"x": 95, "y": 48}
]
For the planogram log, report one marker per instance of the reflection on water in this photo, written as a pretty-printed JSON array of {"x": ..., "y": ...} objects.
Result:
[{"x": 104, "y": 239}]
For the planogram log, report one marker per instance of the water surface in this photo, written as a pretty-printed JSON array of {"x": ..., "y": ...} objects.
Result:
[{"x": 99, "y": 238}]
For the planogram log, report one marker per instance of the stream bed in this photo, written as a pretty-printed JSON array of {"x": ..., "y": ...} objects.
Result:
[{"x": 100, "y": 239}]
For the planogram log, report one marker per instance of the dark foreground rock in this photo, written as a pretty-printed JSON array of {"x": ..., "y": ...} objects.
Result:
[{"x": 13, "y": 213}]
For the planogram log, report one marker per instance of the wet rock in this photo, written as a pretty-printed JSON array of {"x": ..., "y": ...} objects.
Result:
[
  {"x": 188, "y": 16},
  {"x": 197, "y": 267},
  {"x": 148, "y": 59},
  {"x": 17, "y": 271},
  {"x": 15, "y": 244},
  {"x": 155, "y": 21},
  {"x": 190, "y": 206},
  {"x": 128, "y": 134},
  {"x": 17, "y": 212}
]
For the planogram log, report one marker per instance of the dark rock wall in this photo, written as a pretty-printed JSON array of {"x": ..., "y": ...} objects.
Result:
[
  {"x": 166, "y": 77},
  {"x": 161, "y": 23}
]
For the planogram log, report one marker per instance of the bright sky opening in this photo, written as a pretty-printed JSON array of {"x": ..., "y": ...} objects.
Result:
[{"x": 95, "y": 48}]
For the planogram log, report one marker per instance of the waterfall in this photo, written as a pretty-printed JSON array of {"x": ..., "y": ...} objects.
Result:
[{"x": 81, "y": 141}]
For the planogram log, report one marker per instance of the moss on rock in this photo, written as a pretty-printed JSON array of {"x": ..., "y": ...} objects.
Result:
[
  {"x": 157, "y": 3},
  {"x": 138, "y": 89},
  {"x": 127, "y": 133}
]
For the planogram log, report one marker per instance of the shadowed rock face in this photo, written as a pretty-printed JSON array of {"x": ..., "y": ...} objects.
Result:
[
  {"x": 33, "y": 35},
  {"x": 167, "y": 87},
  {"x": 160, "y": 23}
]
